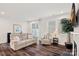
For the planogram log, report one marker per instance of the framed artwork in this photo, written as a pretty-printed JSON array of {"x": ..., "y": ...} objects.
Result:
[{"x": 17, "y": 28}]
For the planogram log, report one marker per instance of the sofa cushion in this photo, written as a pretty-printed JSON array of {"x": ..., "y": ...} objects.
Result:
[
  {"x": 24, "y": 36},
  {"x": 16, "y": 38}
]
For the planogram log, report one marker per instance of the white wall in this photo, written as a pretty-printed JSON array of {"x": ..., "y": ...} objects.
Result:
[
  {"x": 7, "y": 26},
  {"x": 43, "y": 26}
]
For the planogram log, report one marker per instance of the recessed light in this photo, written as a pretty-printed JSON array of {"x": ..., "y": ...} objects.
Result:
[{"x": 2, "y": 13}]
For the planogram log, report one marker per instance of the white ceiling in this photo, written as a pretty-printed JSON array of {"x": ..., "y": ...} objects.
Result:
[{"x": 32, "y": 11}]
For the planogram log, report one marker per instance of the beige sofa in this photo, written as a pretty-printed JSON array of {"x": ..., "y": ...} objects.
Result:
[{"x": 19, "y": 41}]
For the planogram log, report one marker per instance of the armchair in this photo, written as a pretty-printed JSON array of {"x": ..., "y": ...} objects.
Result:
[{"x": 46, "y": 40}]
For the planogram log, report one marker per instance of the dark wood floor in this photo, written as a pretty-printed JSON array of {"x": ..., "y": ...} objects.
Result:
[{"x": 32, "y": 50}]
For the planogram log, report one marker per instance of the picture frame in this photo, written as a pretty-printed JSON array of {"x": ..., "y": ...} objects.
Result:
[{"x": 17, "y": 28}]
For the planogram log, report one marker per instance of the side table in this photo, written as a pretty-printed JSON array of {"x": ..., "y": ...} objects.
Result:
[
  {"x": 55, "y": 41},
  {"x": 68, "y": 45}
]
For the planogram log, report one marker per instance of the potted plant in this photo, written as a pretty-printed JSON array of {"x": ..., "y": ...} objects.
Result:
[{"x": 67, "y": 27}]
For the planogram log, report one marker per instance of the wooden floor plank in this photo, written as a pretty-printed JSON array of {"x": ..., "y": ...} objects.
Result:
[{"x": 33, "y": 50}]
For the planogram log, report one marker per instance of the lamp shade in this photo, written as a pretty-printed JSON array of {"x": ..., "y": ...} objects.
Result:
[{"x": 73, "y": 15}]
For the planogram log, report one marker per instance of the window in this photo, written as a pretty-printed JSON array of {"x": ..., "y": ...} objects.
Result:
[
  {"x": 51, "y": 26},
  {"x": 35, "y": 30}
]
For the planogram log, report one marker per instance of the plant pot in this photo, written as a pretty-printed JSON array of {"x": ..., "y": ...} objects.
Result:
[{"x": 68, "y": 45}]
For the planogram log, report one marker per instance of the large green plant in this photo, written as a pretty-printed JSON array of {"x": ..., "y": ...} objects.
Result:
[{"x": 67, "y": 26}]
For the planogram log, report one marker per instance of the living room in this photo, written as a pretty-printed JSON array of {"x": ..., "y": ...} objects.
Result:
[{"x": 34, "y": 25}]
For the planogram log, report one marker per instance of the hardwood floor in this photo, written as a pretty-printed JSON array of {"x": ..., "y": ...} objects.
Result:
[{"x": 32, "y": 50}]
